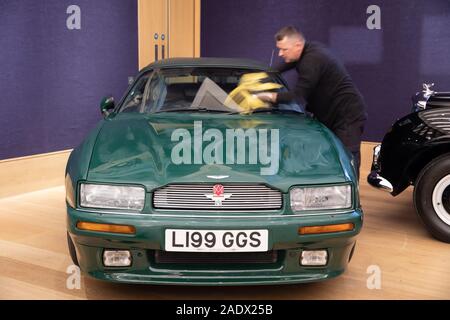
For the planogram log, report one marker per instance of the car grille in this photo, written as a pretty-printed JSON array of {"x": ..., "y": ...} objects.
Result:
[
  {"x": 438, "y": 119},
  {"x": 195, "y": 197},
  {"x": 215, "y": 257}
]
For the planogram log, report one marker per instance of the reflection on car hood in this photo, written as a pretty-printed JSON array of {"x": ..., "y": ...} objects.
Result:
[{"x": 136, "y": 148}]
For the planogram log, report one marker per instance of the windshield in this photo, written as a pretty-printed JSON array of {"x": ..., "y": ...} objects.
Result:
[{"x": 204, "y": 89}]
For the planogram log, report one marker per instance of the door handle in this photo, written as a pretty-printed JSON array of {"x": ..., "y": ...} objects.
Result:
[
  {"x": 155, "y": 36},
  {"x": 163, "y": 37}
]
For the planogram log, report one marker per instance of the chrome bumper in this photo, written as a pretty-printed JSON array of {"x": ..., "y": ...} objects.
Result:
[{"x": 374, "y": 178}]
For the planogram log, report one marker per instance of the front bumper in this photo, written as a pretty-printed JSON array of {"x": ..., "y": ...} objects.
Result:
[
  {"x": 149, "y": 238},
  {"x": 374, "y": 178}
]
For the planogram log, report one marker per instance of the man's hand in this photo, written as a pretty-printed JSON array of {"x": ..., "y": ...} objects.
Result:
[{"x": 267, "y": 96}]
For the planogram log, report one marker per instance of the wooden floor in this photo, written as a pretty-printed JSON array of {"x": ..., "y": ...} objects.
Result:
[{"x": 413, "y": 265}]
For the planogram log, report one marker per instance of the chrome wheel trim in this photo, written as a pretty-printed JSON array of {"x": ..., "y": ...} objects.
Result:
[{"x": 438, "y": 206}]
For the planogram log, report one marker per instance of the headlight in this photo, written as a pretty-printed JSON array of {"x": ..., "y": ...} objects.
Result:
[
  {"x": 320, "y": 198},
  {"x": 112, "y": 197}
]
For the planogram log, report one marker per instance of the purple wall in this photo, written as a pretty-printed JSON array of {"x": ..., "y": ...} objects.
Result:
[
  {"x": 388, "y": 65},
  {"x": 52, "y": 78}
]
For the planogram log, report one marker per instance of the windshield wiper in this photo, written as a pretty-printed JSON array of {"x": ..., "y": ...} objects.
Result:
[
  {"x": 201, "y": 109},
  {"x": 276, "y": 110},
  {"x": 204, "y": 109},
  {"x": 271, "y": 110}
]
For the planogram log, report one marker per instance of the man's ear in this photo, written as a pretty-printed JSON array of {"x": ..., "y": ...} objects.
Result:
[{"x": 300, "y": 45}]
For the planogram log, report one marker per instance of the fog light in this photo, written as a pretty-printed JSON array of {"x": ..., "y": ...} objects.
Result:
[
  {"x": 314, "y": 258},
  {"x": 116, "y": 258}
]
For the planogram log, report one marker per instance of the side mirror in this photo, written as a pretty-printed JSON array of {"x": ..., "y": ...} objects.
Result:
[{"x": 106, "y": 105}]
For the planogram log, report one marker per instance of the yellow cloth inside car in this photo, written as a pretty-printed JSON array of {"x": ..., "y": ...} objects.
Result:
[{"x": 243, "y": 94}]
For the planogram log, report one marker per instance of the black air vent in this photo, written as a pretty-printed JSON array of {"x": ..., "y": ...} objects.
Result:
[{"x": 215, "y": 257}]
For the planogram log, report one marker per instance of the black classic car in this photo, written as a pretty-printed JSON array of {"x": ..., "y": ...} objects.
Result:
[{"x": 416, "y": 151}]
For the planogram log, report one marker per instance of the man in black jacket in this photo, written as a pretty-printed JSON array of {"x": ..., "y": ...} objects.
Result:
[{"x": 324, "y": 87}]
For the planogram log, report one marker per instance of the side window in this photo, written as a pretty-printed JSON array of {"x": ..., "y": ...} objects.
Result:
[{"x": 134, "y": 99}]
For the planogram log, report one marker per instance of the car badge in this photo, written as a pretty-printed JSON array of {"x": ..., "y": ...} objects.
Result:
[
  {"x": 218, "y": 194},
  {"x": 217, "y": 177}
]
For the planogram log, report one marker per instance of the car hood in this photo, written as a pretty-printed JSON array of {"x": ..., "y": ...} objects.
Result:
[{"x": 139, "y": 149}]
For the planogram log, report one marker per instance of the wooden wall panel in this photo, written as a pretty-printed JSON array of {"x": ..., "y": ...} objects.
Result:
[
  {"x": 182, "y": 28},
  {"x": 27, "y": 174},
  {"x": 152, "y": 18},
  {"x": 178, "y": 20}
]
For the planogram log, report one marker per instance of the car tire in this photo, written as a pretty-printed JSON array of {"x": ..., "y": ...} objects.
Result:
[
  {"x": 432, "y": 197},
  {"x": 72, "y": 251}
]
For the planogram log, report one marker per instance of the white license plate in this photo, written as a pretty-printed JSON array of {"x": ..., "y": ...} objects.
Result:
[{"x": 217, "y": 240}]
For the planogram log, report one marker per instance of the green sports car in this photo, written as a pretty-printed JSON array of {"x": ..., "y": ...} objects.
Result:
[{"x": 191, "y": 180}]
